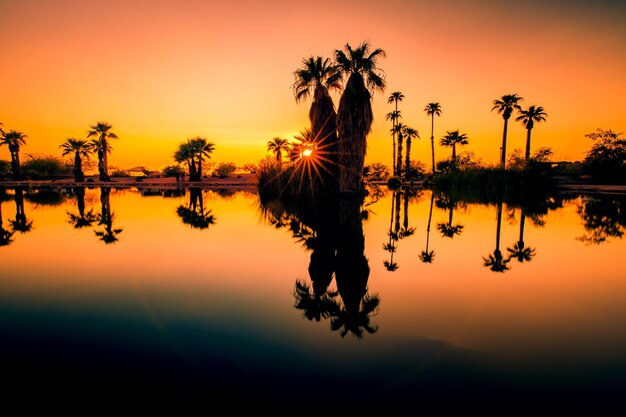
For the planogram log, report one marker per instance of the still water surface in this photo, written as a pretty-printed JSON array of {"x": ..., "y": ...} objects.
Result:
[{"x": 210, "y": 292}]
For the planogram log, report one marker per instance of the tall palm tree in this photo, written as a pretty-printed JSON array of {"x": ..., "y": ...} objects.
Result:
[
  {"x": 395, "y": 97},
  {"x": 316, "y": 77},
  {"x": 277, "y": 146},
  {"x": 519, "y": 250},
  {"x": 201, "y": 148},
  {"x": 14, "y": 140},
  {"x": 427, "y": 256},
  {"x": 81, "y": 149},
  {"x": 393, "y": 116},
  {"x": 185, "y": 154},
  {"x": 410, "y": 134},
  {"x": 451, "y": 139},
  {"x": 354, "y": 115},
  {"x": 534, "y": 114},
  {"x": 496, "y": 261},
  {"x": 399, "y": 132},
  {"x": 505, "y": 106},
  {"x": 102, "y": 131},
  {"x": 432, "y": 110}
]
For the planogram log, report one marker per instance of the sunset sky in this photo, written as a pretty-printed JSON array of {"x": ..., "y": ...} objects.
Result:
[{"x": 163, "y": 71}]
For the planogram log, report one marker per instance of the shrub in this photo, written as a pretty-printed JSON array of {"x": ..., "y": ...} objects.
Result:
[
  {"x": 5, "y": 169},
  {"x": 251, "y": 168},
  {"x": 224, "y": 169},
  {"x": 173, "y": 171},
  {"x": 45, "y": 166},
  {"x": 376, "y": 172},
  {"x": 606, "y": 160}
]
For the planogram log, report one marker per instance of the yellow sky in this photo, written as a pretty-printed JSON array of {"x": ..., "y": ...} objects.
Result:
[{"x": 162, "y": 71}]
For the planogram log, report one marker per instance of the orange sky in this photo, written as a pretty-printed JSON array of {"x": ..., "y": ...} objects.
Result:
[{"x": 162, "y": 71}]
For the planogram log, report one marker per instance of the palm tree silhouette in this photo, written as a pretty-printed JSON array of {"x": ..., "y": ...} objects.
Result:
[
  {"x": 393, "y": 116},
  {"x": 427, "y": 256},
  {"x": 316, "y": 77},
  {"x": 432, "y": 110},
  {"x": 200, "y": 148},
  {"x": 195, "y": 214},
  {"x": 354, "y": 115},
  {"x": 534, "y": 114},
  {"x": 14, "y": 140},
  {"x": 21, "y": 223},
  {"x": 6, "y": 236},
  {"x": 186, "y": 154},
  {"x": 505, "y": 106},
  {"x": 410, "y": 134},
  {"x": 277, "y": 146},
  {"x": 399, "y": 132},
  {"x": 102, "y": 131},
  {"x": 81, "y": 149},
  {"x": 451, "y": 139},
  {"x": 82, "y": 219},
  {"x": 496, "y": 261},
  {"x": 109, "y": 234},
  {"x": 519, "y": 250},
  {"x": 391, "y": 246}
]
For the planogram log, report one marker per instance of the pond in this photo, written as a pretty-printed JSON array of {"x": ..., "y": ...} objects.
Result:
[{"x": 412, "y": 296}]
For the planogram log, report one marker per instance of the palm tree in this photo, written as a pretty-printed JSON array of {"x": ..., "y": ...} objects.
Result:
[
  {"x": 102, "y": 131},
  {"x": 201, "y": 148},
  {"x": 13, "y": 140},
  {"x": 395, "y": 97},
  {"x": 410, "y": 134},
  {"x": 277, "y": 146},
  {"x": 81, "y": 149},
  {"x": 427, "y": 256},
  {"x": 398, "y": 130},
  {"x": 354, "y": 115},
  {"x": 316, "y": 77},
  {"x": 451, "y": 139},
  {"x": 432, "y": 110},
  {"x": 496, "y": 261},
  {"x": 505, "y": 106},
  {"x": 109, "y": 234},
  {"x": 519, "y": 250},
  {"x": 185, "y": 154},
  {"x": 528, "y": 119},
  {"x": 394, "y": 116}
]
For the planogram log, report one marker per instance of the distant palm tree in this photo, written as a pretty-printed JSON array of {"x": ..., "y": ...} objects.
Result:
[
  {"x": 399, "y": 132},
  {"x": 432, "y": 110},
  {"x": 519, "y": 250},
  {"x": 451, "y": 139},
  {"x": 394, "y": 117},
  {"x": 395, "y": 97},
  {"x": 201, "y": 148},
  {"x": 427, "y": 256},
  {"x": 82, "y": 219},
  {"x": 102, "y": 131},
  {"x": 505, "y": 106},
  {"x": 109, "y": 234},
  {"x": 410, "y": 134},
  {"x": 496, "y": 261},
  {"x": 316, "y": 77},
  {"x": 14, "y": 140},
  {"x": 354, "y": 115},
  {"x": 277, "y": 146},
  {"x": 81, "y": 149},
  {"x": 528, "y": 119}
]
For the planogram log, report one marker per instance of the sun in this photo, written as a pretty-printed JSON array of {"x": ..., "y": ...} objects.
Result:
[{"x": 307, "y": 152}]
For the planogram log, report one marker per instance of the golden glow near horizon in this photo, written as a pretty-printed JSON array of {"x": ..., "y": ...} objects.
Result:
[{"x": 163, "y": 71}]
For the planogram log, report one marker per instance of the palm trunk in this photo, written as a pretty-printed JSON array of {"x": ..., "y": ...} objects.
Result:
[
  {"x": 80, "y": 201},
  {"x": 521, "y": 229},
  {"x": 102, "y": 172},
  {"x": 405, "y": 222},
  {"x": 407, "y": 163},
  {"x": 399, "y": 162},
  {"x": 528, "y": 143},
  {"x": 78, "y": 169},
  {"x": 432, "y": 140},
  {"x": 323, "y": 119},
  {"x": 454, "y": 155},
  {"x": 503, "y": 151},
  {"x": 397, "y": 228},
  {"x": 499, "y": 207},
  {"x": 105, "y": 158},
  {"x": 393, "y": 136},
  {"x": 430, "y": 217}
]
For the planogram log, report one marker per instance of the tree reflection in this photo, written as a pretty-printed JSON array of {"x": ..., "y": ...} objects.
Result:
[
  {"x": 519, "y": 250},
  {"x": 21, "y": 223},
  {"x": 195, "y": 214},
  {"x": 82, "y": 219},
  {"x": 603, "y": 219},
  {"x": 496, "y": 261},
  {"x": 448, "y": 229},
  {"x": 391, "y": 245},
  {"x": 109, "y": 234},
  {"x": 428, "y": 256},
  {"x": 6, "y": 236}
]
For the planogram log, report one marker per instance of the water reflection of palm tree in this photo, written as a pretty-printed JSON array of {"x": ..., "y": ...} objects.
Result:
[
  {"x": 391, "y": 245},
  {"x": 195, "y": 214},
  {"x": 427, "y": 256},
  {"x": 448, "y": 229},
  {"x": 21, "y": 223},
  {"x": 109, "y": 234},
  {"x": 352, "y": 273},
  {"x": 6, "y": 236},
  {"x": 496, "y": 261},
  {"x": 519, "y": 250},
  {"x": 82, "y": 219}
]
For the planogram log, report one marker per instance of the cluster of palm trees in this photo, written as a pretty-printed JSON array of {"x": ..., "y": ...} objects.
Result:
[
  {"x": 192, "y": 153},
  {"x": 340, "y": 136},
  {"x": 400, "y": 131},
  {"x": 80, "y": 148}
]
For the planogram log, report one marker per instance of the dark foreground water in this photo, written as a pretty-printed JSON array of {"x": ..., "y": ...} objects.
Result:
[{"x": 411, "y": 300}]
